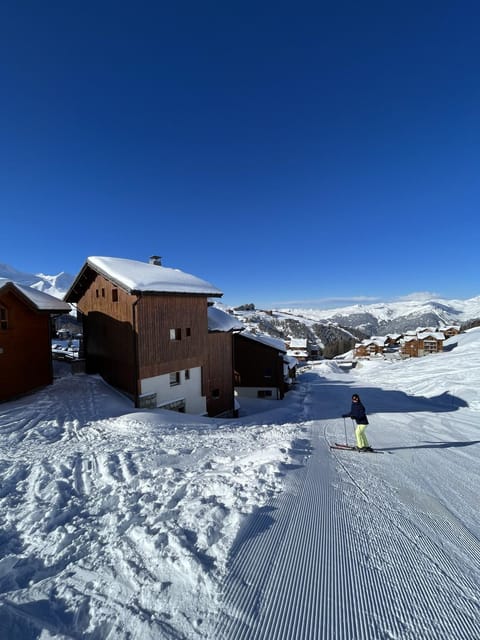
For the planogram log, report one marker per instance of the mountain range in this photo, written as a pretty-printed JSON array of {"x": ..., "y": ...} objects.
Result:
[
  {"x": 56, "y": 286},
  {"x": 397, "y": 317},
  {"x": 334, "y": 330}
]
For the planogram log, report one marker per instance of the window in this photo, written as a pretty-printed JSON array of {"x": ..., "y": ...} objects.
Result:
[
  {"x": 175, "y": 334},
  {"x": 103, "y": 292},
  {"x": 187, "y": 374},
  {"x": 267, "y": 373},
  {"x": 215, "y": 394},
  {"x": 3, "y": 318},
  {"x": 264, "y": 393},
  {"x": 188, "y": 332},
  {"x": 174, "y": 378},
  {"x": 114, "y": 295}
]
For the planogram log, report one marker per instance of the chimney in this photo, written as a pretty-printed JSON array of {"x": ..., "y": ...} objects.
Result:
[{"x": 157, "y": 260}]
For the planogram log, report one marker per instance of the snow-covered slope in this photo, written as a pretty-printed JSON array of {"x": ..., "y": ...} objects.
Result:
[{"x": 118, "y": 523}]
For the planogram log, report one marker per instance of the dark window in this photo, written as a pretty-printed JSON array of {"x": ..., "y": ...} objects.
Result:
[
  {"x": 175, "y": 334},
  {"x": 187, "y": 374},
  {"x": 174, "y": 378},
  {"x": 103, "y": 292},
  {"x": 96, "y": 293},
  {"x": 3, "y": 318},
  {"x": 268, "y": 373},
  {"x": 114, "y": 295},
  {"x": 264, "y": 393},
  {"x": 188, "y": 332},
  {"x": 215, "y": 394}
]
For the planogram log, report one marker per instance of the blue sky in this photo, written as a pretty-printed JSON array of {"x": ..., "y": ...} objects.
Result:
[{"x": 293, "y": 154}]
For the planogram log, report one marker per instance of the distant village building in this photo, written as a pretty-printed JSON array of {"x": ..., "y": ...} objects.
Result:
[
  {"x": 422, "y": 344},
  {"x": 26, "y": 329},
  {"x": 450, "y": 331},
  {"x": 393, "y": 339},
  {"x": 298, "y": 348},
  {"x": 370, "y": 347}
]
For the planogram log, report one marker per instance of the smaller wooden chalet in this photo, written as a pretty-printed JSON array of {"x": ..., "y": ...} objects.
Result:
[
  {"x": 25, "y": 338},
  {"x": 393, "y": 339},
  {"x": 259, "y": 366},
  {"x": 220, "y": 388},
  {"x": 370, "y": 347},
  {"x": 450, "y": 331},
  {"x": 409, "y": 346},
  {"x": 298, "y": 348},
  {"x": 145, "y": 329}
]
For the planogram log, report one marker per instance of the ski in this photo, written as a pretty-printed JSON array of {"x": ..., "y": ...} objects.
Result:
[{"x": 348, "y": 447}]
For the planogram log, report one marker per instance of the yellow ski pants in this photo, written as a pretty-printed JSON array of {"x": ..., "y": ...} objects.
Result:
[{"x": 360, "y": 436}]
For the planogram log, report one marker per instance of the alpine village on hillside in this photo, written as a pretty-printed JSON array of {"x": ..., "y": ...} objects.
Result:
[{"x": 153, "y": 333}]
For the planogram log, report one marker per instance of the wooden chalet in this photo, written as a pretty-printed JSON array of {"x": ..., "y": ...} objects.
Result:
[
  {"x": 370, "y": 347},
  {"x": 26, "y": 329},
  {"x": 145, "y": 329},
  {"x": 409, "y": 346},
  {"x": 393, "y": 339},
  {"x": 450, "y": 331},
  {"x": 259, "y": 366},
  {"x": 422, "y": 344},
  {"x": 430, "y": 342}
]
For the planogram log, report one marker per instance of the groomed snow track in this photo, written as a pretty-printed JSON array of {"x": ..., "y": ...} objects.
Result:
[{"x": 323, "y": 561}]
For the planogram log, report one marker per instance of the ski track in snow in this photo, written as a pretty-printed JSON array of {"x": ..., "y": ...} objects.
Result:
[{"x": 293, "y": 574}]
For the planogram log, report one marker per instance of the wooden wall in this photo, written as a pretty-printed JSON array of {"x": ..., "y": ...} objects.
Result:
[
  {"x": 109, "y": 340},
  {"x": 156, "y": 315},
  {"x": 218, "y": 374},
  {"x": 26, "y": 358}
]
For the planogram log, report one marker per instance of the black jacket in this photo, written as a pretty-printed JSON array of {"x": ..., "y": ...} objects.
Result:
[{"x": 357, "y": 412}]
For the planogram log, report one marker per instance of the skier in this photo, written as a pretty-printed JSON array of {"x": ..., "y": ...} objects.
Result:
[{"x": 357, "y": 413}]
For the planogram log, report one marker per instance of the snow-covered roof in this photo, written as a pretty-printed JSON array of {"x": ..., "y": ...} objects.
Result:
[
  {"x": 298, "y": 343},
  {"x": 269, "y": 341},
  {"x": 40, "y": 300},
  {"x": 436, "y": 335},
  {"x": 219, "y": 320},
  {"x": 379, "y": 342},
  {"x": 145, "y": 277}
]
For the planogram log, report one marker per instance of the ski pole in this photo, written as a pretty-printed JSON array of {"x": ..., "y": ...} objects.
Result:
[{"x": 345, "y": 429}]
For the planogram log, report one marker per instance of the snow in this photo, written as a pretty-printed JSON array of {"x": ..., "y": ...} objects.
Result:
[
  {"x": 122, "y": 523},
  {"x": 42, "y": 301},
  {"x": 139, "y": 276},
  {"x": 219, "y": 320},
  {"x": 275, "y": 343}
]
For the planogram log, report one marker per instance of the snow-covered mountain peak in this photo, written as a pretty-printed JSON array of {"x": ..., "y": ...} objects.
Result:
[{"x": 56, "y": 286}]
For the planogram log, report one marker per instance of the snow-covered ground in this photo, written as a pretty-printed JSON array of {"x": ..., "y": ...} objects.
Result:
[{"x": 119, "y": 523}]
